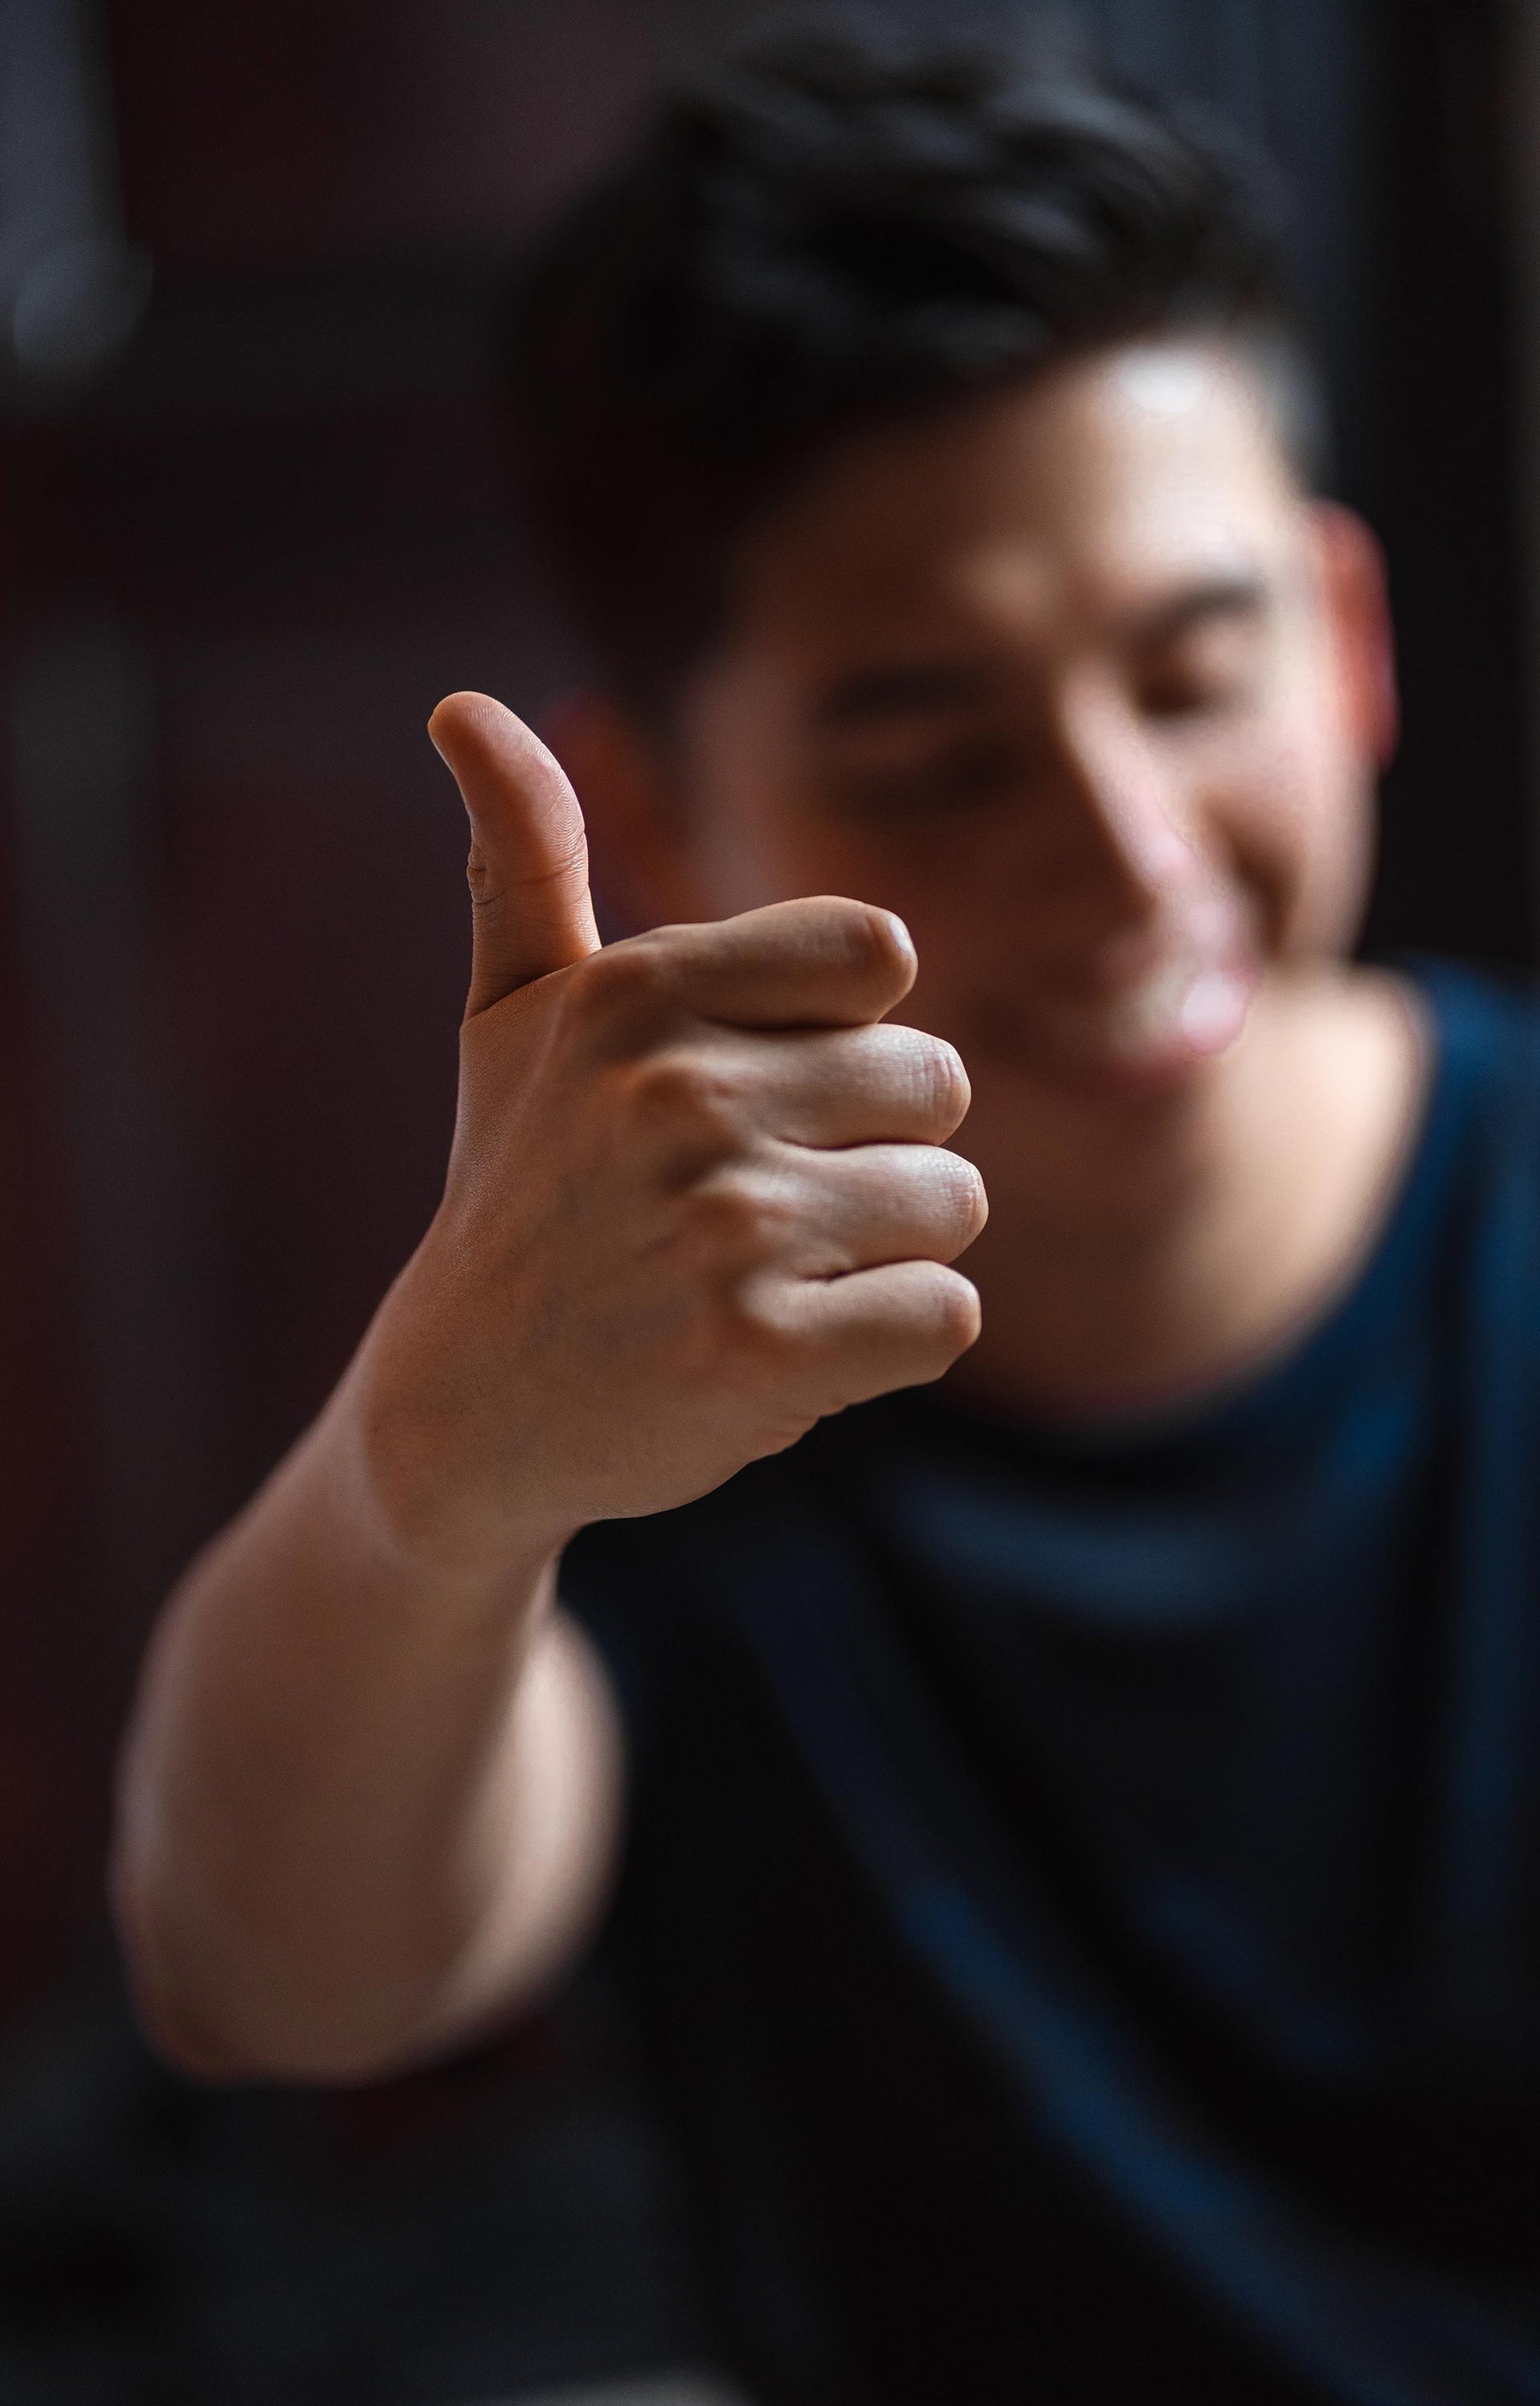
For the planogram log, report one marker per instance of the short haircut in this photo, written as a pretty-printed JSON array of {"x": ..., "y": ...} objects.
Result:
[{"x": 833, "y": 227}]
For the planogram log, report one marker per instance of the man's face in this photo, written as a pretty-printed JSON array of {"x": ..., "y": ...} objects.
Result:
[{"x": 1077, "y": 681}]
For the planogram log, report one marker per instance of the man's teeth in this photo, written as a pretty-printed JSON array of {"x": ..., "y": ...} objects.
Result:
[
  {"x": 1213, "y": 1014},
  {"x": 1146, "y": 1019},
  {"x": 1187, "y": 1001}
]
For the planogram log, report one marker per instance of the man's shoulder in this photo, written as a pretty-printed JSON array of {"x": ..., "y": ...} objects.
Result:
[
  {"x": 1486, "y": 1019},
  {"x": 1481, "y": 1123}
]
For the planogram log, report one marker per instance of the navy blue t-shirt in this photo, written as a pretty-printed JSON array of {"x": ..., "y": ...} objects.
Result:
[{"x": 1083, "y": 1891}]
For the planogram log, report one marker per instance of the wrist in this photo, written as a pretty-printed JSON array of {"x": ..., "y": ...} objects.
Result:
[{"x": 405, "y": 1455}]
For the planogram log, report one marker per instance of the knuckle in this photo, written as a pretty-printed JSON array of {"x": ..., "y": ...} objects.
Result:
[
  {"x": 760, "y": 1324},
  {"x": 942, "y": 1201},
  {"x": 683, "y": 1094},
  {"x": 876, "y": 941},
  {"x": 754, "y": 1334},
  {"x": 739, "y": 1216},
  {"x": 482, "y": 878},
  {"x": 957, "y": 1313},
  {"x": 623, "y": 980},
  {"x": 953, "y": 1088},
  {"x": 966, "y": 1193},
  {"x": 942, "y": 1312},
  {"x": 940, "y": 1082}
]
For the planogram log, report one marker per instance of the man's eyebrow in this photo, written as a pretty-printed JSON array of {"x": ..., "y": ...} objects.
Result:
[
  {"x": 911, "y": 688},
  {"x": 1240, "y": 594},
  {"x": 902, "y": 690}
]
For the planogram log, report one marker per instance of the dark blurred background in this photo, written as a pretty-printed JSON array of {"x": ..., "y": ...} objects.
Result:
[{"x": 253, "y": 522}]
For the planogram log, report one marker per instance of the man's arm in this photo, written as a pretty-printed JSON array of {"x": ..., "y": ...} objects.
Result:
[
  {"x": 365, "y": 1808},
  {"x": 696, "y": 1199}
]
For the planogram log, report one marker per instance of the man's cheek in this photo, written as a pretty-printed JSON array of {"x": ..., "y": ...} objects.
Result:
[{"x": 1261, "y": 832}]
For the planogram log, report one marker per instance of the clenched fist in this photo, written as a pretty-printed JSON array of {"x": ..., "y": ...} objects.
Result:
[{"x": 698, "y": 1195}]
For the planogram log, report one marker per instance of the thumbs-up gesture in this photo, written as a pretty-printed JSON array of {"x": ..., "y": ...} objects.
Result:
[{"x": 697, "y": 1197}]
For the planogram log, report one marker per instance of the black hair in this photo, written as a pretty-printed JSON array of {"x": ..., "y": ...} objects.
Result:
[{"x": 829, "y": 227}]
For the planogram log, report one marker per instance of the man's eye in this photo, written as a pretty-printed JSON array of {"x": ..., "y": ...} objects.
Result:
[
  {"x": 969, "y": 775},
  {"x": 1210, "y": 676},
  {"x": 1193, "y": 697}
]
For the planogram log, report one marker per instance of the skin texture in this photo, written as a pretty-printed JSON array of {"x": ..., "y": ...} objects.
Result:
[{"x": 1073, "y": 684}]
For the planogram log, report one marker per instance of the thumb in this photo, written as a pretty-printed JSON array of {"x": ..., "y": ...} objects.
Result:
[{"x": 529, "y": 864}]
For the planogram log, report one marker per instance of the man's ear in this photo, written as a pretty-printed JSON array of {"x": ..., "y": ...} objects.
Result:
[
  {"x": 1353, "y": 582},
  {"x": 634, "y": 815}
]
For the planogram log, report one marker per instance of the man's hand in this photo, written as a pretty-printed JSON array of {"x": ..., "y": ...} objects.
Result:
[
  {"x": 697, "y": 1197},
  {"x": 372, "y": 1791}
]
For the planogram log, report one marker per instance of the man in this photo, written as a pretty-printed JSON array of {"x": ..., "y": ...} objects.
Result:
[{"x": 1080, "y": 1869}]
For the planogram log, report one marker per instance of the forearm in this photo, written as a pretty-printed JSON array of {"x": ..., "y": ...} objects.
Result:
[{"x": 343, "y": 1790}]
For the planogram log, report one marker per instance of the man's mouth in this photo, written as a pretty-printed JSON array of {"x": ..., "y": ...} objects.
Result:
[
  {"x": 1186, "y": 1008},
  {"x": 1152, "y": 1028}
]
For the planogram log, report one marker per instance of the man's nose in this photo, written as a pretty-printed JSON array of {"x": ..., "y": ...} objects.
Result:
[{"x": 1122, "y": 821}]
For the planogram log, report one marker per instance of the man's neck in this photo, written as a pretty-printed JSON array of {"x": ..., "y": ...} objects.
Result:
[{"x": 1249, "y": 1206}]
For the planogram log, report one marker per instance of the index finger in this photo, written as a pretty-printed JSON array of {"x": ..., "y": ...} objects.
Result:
[{"x": 825, "y": 962}]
